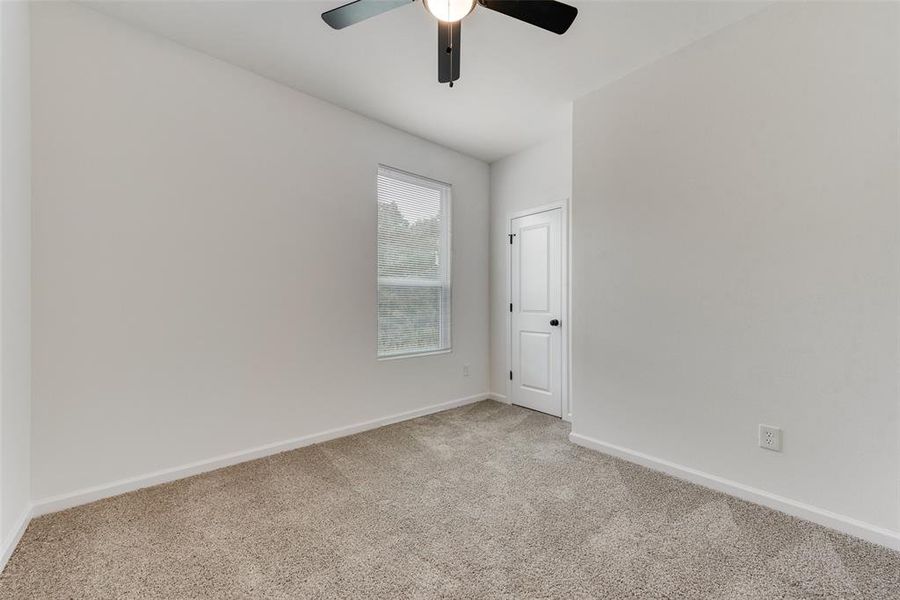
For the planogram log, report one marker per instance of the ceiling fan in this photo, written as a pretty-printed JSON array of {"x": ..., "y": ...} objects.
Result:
[{"x": 546, "y": 14}]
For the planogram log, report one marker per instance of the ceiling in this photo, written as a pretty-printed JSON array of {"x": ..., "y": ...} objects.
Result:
[{"x": 517, "y": 81}]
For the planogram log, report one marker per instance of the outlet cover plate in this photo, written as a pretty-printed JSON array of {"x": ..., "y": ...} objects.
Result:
[{"x": 770, "y": 437}]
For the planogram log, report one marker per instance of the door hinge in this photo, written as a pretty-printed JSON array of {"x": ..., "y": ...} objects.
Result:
[
  {"x": 510, "y": 307},
  {"x": 510, "y": 375},
  {"x": 511, "y": 236}
]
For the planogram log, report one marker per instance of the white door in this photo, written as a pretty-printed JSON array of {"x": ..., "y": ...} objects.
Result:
[{"x": 536, "y": 306}]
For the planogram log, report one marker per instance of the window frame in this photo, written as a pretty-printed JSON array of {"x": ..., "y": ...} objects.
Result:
[{"x": 444, "y": 283}]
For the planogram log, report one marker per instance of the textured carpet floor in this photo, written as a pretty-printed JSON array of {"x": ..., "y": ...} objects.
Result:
[{"x": 486, "y": 501}]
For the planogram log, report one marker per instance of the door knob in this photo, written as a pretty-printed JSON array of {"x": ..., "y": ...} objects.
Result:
[{"x": 554, "y": 322}]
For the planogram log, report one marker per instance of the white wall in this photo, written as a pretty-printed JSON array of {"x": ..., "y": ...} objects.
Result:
[
  {"x": 533, "y": 177},
  {"x": 204, "y": 259},
  {"x": 736, "y": 251},
  {"x": 15, "y": 271}
]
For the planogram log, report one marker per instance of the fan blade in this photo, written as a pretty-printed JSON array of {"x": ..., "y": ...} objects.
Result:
[
  {"x": 448, "y": 51},
  {"x": 546, "y": 14},
  {"x": 359, "y": 10}
]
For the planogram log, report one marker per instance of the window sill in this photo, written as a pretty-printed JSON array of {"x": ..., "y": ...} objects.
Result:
[{"x": 415, "y": 354}]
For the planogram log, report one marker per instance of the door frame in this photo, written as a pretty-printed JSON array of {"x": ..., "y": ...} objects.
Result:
[{"x": 565, "y": 226}]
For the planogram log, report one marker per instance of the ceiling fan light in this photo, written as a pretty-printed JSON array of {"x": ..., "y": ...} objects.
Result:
[{"x": 449, "y": 11}]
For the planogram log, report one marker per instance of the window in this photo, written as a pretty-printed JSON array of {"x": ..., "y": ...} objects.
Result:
[{"x": 413, "y": 264}]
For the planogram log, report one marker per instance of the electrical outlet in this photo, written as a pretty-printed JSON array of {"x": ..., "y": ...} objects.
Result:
[
  {"x": 770, "y": 437},
  {"x": 465, "y": 370}
]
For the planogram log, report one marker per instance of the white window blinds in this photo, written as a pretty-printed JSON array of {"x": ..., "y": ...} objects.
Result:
[{"x": 413, "y": 264}]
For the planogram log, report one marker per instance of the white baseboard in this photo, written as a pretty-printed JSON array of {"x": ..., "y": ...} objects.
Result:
[
  {"x": 9, "y": 544},
  {"x": 91, "y": 494},
  {"x": 499, "y": 397},
  {"x": 826, "y": 518}
]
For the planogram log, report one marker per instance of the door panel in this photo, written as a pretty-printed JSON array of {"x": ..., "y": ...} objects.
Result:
[
  {"x": 534, "y": 293},
  {"x": 534, "y": 360},
  {"x": 536, "y": 297}
]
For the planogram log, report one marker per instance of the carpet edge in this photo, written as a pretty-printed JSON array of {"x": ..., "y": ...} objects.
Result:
[
  {"x": 130, "y": 484},
  {"x": 820, "y": 516}
]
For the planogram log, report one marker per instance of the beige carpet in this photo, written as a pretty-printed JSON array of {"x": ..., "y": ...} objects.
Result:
[{"x": 486, "y": 501}]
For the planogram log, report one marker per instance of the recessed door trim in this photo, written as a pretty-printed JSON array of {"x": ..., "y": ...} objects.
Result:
[{"x": 565, "y": 317}]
